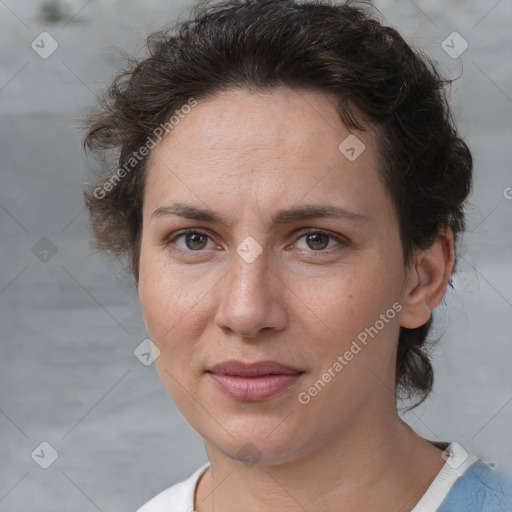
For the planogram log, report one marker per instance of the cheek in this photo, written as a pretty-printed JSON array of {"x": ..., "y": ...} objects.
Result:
[
  {"x": 350, "y": 297},
  {"x": 171, "y": 306},
  {"x": 348, "y": 309},
  {"x": 161, "y": 310},
  {"x": 168, "y": 328},
  {"x": 169, "y": 321},
  {"x": 157, "y": 310},
  {"x": 165, "y": 298}
]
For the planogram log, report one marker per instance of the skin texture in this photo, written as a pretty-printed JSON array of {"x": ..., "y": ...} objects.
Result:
[{"x": 246, "y": 155}]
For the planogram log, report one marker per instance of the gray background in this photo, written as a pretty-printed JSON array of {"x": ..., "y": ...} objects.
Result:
[{"x": 69, "y": 325}]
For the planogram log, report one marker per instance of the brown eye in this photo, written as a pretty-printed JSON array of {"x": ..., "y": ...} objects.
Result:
[
  {"x": 194, "y": 240},
  {"x": 319, "y": 241}
]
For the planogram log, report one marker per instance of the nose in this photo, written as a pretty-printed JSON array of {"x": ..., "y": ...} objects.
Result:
[{"x": 251, "y": 299}]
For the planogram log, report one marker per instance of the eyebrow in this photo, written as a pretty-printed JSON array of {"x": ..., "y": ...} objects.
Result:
[{"x": 304, "y": 212}]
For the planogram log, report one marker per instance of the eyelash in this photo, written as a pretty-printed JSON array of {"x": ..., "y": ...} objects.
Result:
[{"x": 312, "y": 231}]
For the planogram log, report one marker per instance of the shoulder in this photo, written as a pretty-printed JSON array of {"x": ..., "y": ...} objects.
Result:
[
  {"x": 466, "y": 484},
  {"x": 479, "y": 489},
  {"x": 178, "y": 498}
]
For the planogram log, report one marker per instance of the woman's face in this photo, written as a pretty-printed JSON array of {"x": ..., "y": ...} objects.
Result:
[{"x": 243, "y": 288}]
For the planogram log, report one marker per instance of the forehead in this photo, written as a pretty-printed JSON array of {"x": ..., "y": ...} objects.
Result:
[{"x": 263, "y": 149}]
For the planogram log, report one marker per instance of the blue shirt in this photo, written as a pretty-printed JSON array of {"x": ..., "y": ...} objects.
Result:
[
  {"x": 464, "y": 484},
  {"x": 479, "y": 489}
]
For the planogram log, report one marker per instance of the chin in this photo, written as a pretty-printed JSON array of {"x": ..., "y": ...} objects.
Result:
[{"x": 257, "y": 448}]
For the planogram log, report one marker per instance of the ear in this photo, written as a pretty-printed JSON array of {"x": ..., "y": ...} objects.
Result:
[{"x": 427, "y": 279}]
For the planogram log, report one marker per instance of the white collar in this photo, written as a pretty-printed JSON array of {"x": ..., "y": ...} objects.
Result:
[
  {"x": 180, "y": 497},
  {"x": 457, "y": 461}
]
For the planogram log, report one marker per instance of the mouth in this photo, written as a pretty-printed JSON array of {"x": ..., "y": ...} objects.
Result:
[{"x": 254, "y": 381}]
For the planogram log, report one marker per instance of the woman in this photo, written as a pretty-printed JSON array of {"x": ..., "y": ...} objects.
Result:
[{"x": 289, "y": 190}]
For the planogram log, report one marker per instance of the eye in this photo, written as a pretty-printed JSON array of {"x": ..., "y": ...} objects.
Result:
[
  {"x": 193, "y": 240},
  {"x": 318, "y": 240}
]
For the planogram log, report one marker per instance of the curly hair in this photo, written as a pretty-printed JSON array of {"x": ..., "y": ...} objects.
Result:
[{"x": 378, "y": 80}]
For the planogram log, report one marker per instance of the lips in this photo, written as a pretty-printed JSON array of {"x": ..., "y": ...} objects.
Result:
[
  {"x": 253, "y": 381},
  {"x": 259, "y": 369}
]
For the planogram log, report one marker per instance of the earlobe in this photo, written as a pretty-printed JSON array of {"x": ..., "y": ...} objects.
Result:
[{"x": 427, "y": 280}]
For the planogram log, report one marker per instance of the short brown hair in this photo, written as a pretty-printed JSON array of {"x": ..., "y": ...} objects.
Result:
[{"x": 316, "y": 45}]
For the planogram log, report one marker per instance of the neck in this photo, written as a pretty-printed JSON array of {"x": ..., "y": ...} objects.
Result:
[{"x": 388, "y": 458}]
